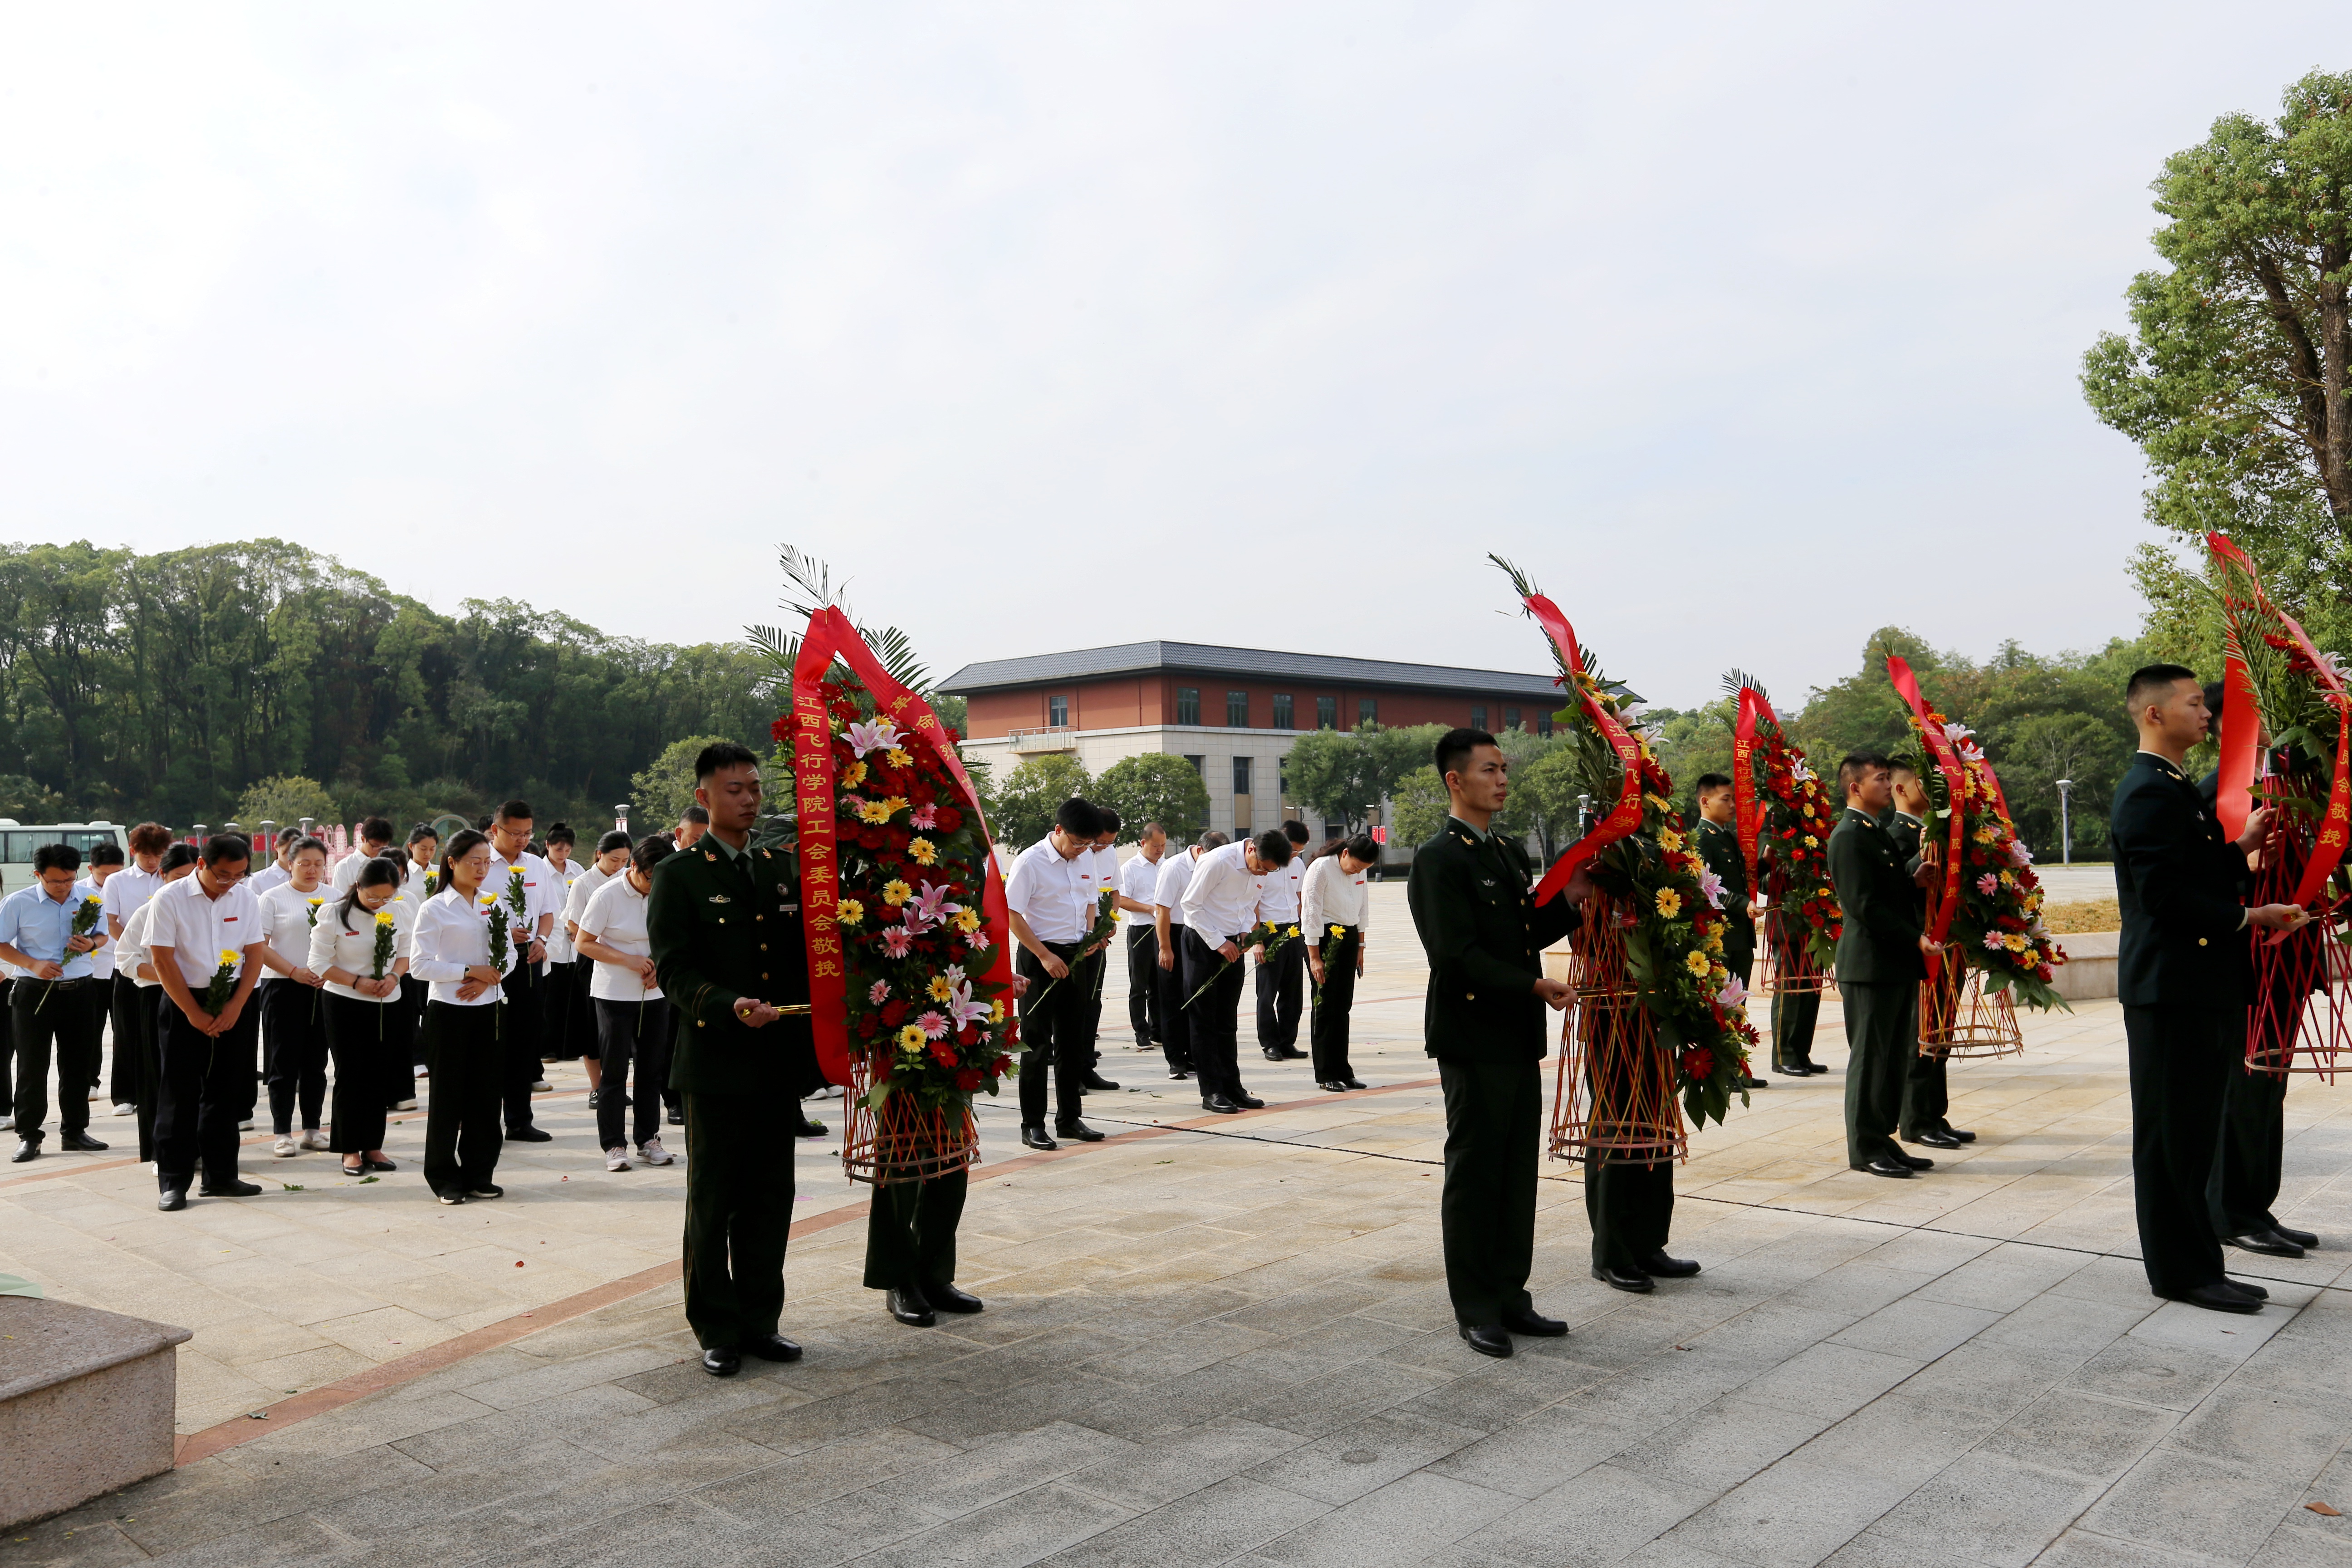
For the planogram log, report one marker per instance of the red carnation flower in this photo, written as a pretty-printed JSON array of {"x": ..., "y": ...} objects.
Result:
[
  {"x": 781, "y": 730},
  {"x": 894, "y": 1012},
  {"x": 1698, "y": 1062},
  {"x": 1002, "y": 1064},
  {"x": 969, "y": 1079},
  {"x": 949, "y": 819}
]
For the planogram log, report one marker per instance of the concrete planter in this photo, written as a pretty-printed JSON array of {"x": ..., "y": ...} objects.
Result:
[
  {"x": 2089, "y": 971},
  {"x": 87, "y": 1400}
]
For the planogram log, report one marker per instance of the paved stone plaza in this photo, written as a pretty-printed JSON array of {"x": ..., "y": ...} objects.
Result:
[{"x": 1219, "y": 1340}]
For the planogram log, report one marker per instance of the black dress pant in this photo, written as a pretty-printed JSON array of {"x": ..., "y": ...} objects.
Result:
[
  {"x": 52, "y": 1019},
  {"x": 1087, "y": 975},
  {"x": 580, "y": 1036},
  {"x": 1494, "y": 1130},
  {"x": 1215, "y": 1018},
  {"x": 1326, "y": 1028},
  {"x": 2250, "y": 1153},
  {"x": 1794, "y": 1015},
  {"x": 524, "y": 992},
  {"x": 2181, "y": 1060},
  {"x": 1926, "y": 1096},
  {"x": 1882, "y": 1032},
  {"x": 632, "y": 1032},
  {"x": 1175, "y": 1024},
  {"x": 467, "y": 1049},
  {"x": 910, "y": 1233},
  {"x": 368, "y": 1041},
  {"x": 205, "y": 1088},
  {"x": 124, "y": 1003},
  {"x": 1280, "y": 982},
  {"x": 402, "y": 1085},
  {"x": 738, "y": 1218},
  {"x": 1053, "y": 1032},
  {"x": 560, "y": 994},
  {"x": 1143, "y": 983},
  {"x": 147, "y": 1010},
  {"x": 294, "y": 1053},
  {"x": 1631, "y": 1206}
]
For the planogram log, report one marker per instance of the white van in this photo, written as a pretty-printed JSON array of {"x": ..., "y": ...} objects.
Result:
[{"x": 18, "y": 841}]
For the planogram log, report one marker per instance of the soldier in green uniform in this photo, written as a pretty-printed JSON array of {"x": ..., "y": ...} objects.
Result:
[
  {"x": 724, "y": 921},
  {"x": 1881, "y": 959},
  {"x": 1718, "y": 847},
  {"x": 1927, "y": 1097},
  {"x": 1473, "y": 902}
]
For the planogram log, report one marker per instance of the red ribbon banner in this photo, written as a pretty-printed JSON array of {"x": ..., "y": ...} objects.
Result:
[
  {"x": 1626, "y": 815},
  {"x": 831, "y": 636},
  {"x": 1948, "y": 763},
  {"x": 1747, "y": 810}
]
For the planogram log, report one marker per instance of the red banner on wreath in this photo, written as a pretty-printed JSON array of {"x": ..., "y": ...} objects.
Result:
[
  {"x": 831, "y": 636},
  {"x": 1747, "y": 812},
  {"x": 1626, "y": 815},
  {"x": 1948, "y": 763}
]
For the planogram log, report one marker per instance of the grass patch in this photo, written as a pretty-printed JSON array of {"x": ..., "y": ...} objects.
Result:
[{"x": 2082, "y": 915}]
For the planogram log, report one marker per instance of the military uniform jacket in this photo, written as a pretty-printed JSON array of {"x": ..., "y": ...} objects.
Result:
[
  {"x": 1880, "y": 943},
  {"x": 1473, "y": 905},
  {"x": 1906, "y": 831},
  {"x": 2179, "y": 882},
  {"x": 722, "y": 930},
  {"x": 1718, "y": 847}
]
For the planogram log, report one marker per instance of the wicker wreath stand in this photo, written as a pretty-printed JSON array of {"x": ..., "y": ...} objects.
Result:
[
  {"x": 1613, "y": 1098},
  {"x": 1957, "y": 1019},
  {"x": 903, "y": 1141},
  {"x": 1786, "y": 967},
  {"x": 2296, "y": 1023}
]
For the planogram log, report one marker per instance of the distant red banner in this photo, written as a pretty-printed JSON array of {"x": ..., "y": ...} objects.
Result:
[
  {"x": 1626, "y": 815},
  {"x": 1948, "y": 763}
]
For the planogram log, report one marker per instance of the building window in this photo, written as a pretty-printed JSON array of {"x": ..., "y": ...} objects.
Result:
[
  {"x": 1057, "y": 711},
  {"x": 1241, "y": 775},
  {"x": 1200, "y": 765},
  {"x": 1543, "y": 723},
  {"x": 1367, "y": 711},
  {"x": 1510, "y": 718},
  {"x": 1188, "y": 705},
  {"x": 1281, "y": 711},
  {"x": 1237, "y": 710},
  {"x": 1327, "y": 712},
  {"x": 1244, "y": 818},
  {"x": 1477, "y": 715}
]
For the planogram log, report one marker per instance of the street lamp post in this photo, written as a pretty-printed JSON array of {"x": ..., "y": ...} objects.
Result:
[
  {"x": 1583, "y": 812},
  {"x": 2065, "y": 824}
]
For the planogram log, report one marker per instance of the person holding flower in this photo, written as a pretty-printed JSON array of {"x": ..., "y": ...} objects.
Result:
[
  {"x": 1050, "y": 906},
  {"x": 465, "y": 944},
  {"x": 632, "y": 1016},
  {"x": 131, "y": 1015},
  {"x": 293, "y": 1030},
  {"x": 1335, "y": 911},
  {"x": 420, "y": 879},
  {"x": 528, "y": 885},
  {"x": 1279, "y": 974},
  {"x": 360, "y": 950},
  {"x": 141, "y": 1024},
  {"x": 48, "y": 931},
  {"x": 1221, "y": 909},
  {"x": 204, "y": 942},
  {"x": 612, "y": 855}
]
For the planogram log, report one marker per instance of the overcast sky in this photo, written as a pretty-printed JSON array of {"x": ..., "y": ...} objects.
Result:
[{"x": 1745, "y": 328}]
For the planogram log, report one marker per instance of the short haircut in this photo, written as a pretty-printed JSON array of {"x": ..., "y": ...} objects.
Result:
[
  {"x": 55, "y": 857},
  {"x": 651, "y": 853},
  {"x": 1903, "y": 766},
  {"x": 2216, "y": 695},
  {"x": 562, "y": 833},
  {"x": 1212, "y": 839},
  {"x": 722, "y": 754},
  {"x": 1853, "y": 764},
  {"x": 1712, "y": 781},
  {"x": 422, "y": 832},
  {"x": 223, "y": 848},
  {"x": 1296, "y": 831},
  {"x": 2152, "y": 683},
  {"x": 106, "y": 855},
  {"x": 149, "y": 838},
  {"x": 1274, "y": 847},
  {"x": 1146, "y": 830},
  {"x": 1077, "y": 820},
  {"x": 1453, "y": 748},
  {"x": 1111, "y": 820},
  {"x": 296, "y": 846},
  {"x": 177, "y": 856},
  {"x": 376, "y": 830},
  {"x": 616, "y": 839},
  {"x": 515, "y": 811},
  {"x": 695, "y": 813}
]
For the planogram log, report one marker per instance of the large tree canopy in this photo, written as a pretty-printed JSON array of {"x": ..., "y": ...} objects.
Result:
[{"x": 2234, "y": 378}]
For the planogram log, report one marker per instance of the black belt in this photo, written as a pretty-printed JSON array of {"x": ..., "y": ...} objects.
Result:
[{"x": 56, "y": 984}]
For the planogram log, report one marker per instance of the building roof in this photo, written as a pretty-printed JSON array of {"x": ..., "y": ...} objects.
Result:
[{"x": 1180, "y": 657}]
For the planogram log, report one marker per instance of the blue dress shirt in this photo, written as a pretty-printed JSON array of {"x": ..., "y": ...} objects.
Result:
[{"x": 38, "y": 926}]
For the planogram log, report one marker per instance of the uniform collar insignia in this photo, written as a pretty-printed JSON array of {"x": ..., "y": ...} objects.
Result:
[
  {"x": 706, "y": 855},
  {"x": 721, "y": 898}
]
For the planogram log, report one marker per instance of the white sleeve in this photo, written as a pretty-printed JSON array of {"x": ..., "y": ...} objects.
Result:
[
  {"x": 1310, "y": 902},
  {"x": 427, "y": 962}
]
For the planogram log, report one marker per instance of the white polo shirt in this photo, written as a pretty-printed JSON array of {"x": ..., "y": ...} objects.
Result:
[
  {"x": 1222, "y": 900},
  {"x": 1279, "y": 899},
  {"x": 1140, "y": 877},
  {"x": 616, "y": 917},
  {"x": 1176, "y": 869},
  {"x": 198, "y": 930},
  {"x": 1050, "y": 893}
]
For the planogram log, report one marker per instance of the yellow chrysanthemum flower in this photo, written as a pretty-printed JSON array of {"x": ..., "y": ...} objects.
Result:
[
  {"x": 1697, "y": 964},
  {"x": 899, "y": 758},
  {"x": 849, "y": 911},
  {"x": 853, "y": 775},
  {"x": 2009, "y": 879},
  {"x": 1811, "y": 842},
  {"x": 897, "y": 804},
  {"x": 996, "y": 1011},
  {"x": 228, "y": 955},
  {"x": 967, "y": 921},
  {"x": 1339, "y": 931},
  {"x": 383, "y": 917},
  {"x": 874, "y": 811},
  {"x": 1669, "y": 839},
  {"x": 1670, "y": 903},
  {"x": 922, "y": 851},
  {"x": 940, "y": 990},
  {"x": 1986, "y": 834},
  {"x": 1293, "y": 931},
  {"x": 910, "y": 1039},
  {"x": 895, "y": 893}
]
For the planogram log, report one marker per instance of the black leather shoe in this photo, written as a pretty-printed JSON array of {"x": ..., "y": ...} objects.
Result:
[
  {"x": 910, "y": 1308},
  {"x": 948, "y": 1299},
  {"x": 674, "y": 1119},
  {"x": 1355, "y": 1083},
  {"x": 771, "y": 1347},
  {"x": 2267, "y": 1242},
  {"x": 1249, "y": 1102},
  {"x": 591, "y": 1097},
  {"x": 171, "y": 1200},
  {"x": 1332, "y": 1085},
  {"x": 1916, "y": 1161},
  {"x": 1487, "y": 1339},
  {"x": 2246, "y": 1288},
  {"x": 1756, "y": 1083},
  {"x": 26, "y": 1149},
  {"x": 486, "y": 1192},
  {"x": 1220, "y": 1104},
  {"x": 80, "y": 1143},
  {"x": 1033, "y": 1135},
  {"x": 1178, "y": 1075},
  {"x": 1963, "y": 1134},
  {"x": 528, "y": 1135},
  {"x": 1883, "y": 1166},
  {"x": 810, "y": 1129},
  {"x": 1096, "y": 1080},
  {"x": 231, "y": 1190},
  {"x": 2300, "y": 1237},
  {"x": 1272, "y": 1056},
  {"x": 1534, "y": 1324},
  {"x": 1078, "y": 1131},
  {"x": 2219, "y": 1298},
  {"x": 1624, "y": 1280},
  {"x": 718, "y": 1361},
  {"x": 1659, "y": 1266},
  {"x": 1935, "y": 1139}
]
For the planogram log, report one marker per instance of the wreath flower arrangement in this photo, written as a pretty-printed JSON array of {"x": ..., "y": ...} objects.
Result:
[{"x": 1797, "y": 818}]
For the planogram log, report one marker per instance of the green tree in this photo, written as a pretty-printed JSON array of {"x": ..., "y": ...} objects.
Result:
[
  {"x": 666, "y": 787},
  {"x": 1342, "y": 775},
  {"x": 1418, "y": 806},
  {"x": 286, "y": 801},
  {"x": 1153, "y": 787},
  {"x": 1546, "y": 791},
  {"x": 1033, "y": 792},
  {"x": 2233, "y": 379}
]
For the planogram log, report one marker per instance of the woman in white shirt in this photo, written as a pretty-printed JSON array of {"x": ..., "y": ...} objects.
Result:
[
  {"x": 631, "y": 1017},
  {"x": 557, "y": 992},
  {"x": 131, "y": 959},
  {"x": 464, "y": 1015},
  {"x": 579, "y": 1016},
  {"x": 363, "y": 1014},
  {"x": 294, "y": 1036},
  {"x": 1334, "y": 894}
]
